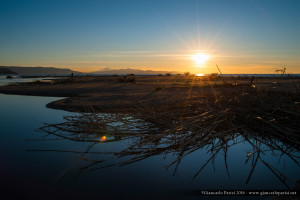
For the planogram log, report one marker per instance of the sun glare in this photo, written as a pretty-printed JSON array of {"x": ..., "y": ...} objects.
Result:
[
  {"x": 103, "y": 138},
  {"x": 200, "y": 59}
]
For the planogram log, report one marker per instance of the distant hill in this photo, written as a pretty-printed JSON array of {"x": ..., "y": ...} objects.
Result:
[
  {"x": 39, "y": 70},
  {"x": 131, "y": 71},
  {"x": 4, "y": 70}
]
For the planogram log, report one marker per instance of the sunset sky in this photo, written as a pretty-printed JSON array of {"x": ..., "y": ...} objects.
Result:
[{"x": 242, "y": 36}]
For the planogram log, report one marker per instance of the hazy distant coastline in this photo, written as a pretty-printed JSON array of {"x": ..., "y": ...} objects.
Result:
[
  {"x": 4, "y": 70},
  {"x": 59, "y": 71},
  {"x": 53, "y": 71},
  {"x": 35, "y": 70},
  {"x": 132, "y": 71}
]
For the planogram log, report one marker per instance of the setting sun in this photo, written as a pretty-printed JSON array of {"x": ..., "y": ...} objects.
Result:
[{"x": 200, "y": 59}]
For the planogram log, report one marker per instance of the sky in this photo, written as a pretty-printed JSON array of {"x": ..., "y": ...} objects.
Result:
[{"x": 240, "y": 36}]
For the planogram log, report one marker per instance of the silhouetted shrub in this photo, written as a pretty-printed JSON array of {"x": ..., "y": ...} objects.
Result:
[
  {"x": 158, "y": 88},
  {"x": 187, "y": 73}
]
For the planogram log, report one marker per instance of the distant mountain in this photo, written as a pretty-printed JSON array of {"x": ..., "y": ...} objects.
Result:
[
  {"x": 4, "y": 70},
  {"x": 39, "y": 70},
  {"x": 131, "y": 71}
]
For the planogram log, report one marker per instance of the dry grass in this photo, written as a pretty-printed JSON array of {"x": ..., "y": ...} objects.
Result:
[{"x": 214, "y": 120}]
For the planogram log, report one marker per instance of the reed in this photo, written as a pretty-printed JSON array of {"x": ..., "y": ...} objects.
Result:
[{"x": 215, "y": 120}]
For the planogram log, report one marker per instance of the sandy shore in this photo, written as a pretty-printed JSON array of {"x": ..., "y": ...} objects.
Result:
[{"x": 127, "y": 94}]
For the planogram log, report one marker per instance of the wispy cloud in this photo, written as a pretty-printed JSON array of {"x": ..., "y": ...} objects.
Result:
[{"x": 131, "y": 54}]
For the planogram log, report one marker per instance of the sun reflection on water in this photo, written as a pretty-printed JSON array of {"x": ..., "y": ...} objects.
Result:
[{"x": 103, "y": 138}]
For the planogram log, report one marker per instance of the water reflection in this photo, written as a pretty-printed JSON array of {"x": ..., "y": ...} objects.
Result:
[{"x": 145, "y": 140}]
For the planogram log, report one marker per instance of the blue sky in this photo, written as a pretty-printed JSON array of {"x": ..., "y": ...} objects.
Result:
[{"x": 243, "y": 36}]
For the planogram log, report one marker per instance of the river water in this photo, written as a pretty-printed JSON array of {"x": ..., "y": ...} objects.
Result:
[
  {"x": 33, "y": 166},
  {"x": 18, "y": 79}
]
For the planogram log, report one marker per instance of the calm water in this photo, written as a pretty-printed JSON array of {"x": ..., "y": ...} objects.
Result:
[
  {"x": 18, "y": 79},
  {"x": 28, "y": 172}
]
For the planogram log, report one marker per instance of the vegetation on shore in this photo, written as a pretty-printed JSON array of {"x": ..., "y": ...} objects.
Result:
[{"x": 216, "y": 120}]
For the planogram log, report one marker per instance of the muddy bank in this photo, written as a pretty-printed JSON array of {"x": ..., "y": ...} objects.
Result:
[{"x": 121, "y": 94}]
